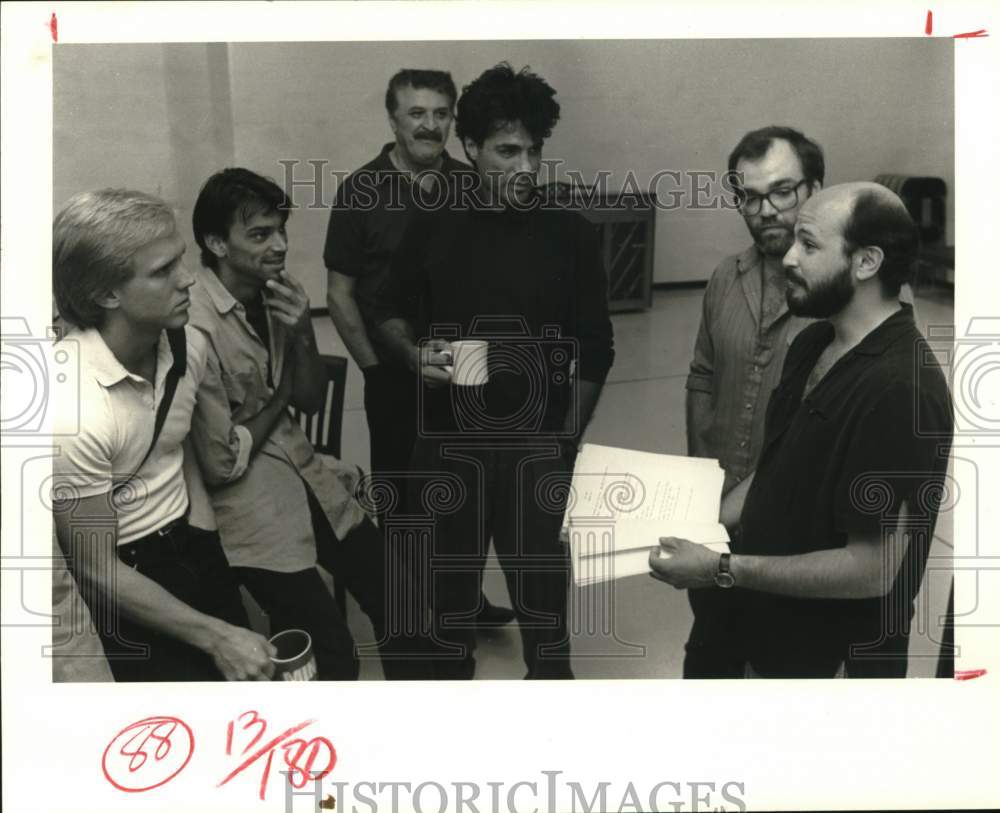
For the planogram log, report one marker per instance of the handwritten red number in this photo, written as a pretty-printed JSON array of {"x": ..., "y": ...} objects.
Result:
[
  {"x": 314, "y": 747},
  {"x": 255, "y": 719},
  {"x": 139, "y": 754},
  {"x": 266, "y": 750},
  {"x": 147, "y": 754}
]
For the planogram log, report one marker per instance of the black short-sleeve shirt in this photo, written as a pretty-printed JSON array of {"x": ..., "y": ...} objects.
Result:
[
  {"x": 369, "y": 216},
  {"x": 875, "y": 431}
]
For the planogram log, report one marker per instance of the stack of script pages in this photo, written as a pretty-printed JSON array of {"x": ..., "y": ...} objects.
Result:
[{"x": 623, "y": 501}]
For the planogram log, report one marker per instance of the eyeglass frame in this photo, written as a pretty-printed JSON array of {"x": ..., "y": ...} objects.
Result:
[{"x": 767, "y": 196}]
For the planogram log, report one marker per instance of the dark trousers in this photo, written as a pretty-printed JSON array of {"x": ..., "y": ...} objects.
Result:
[
  {"x": 714, "y": 647},
  {"x": 517, "y": 496},
  {"x": 190, "y": 564},
  {"x": 886, "y": 657},
  {"x": 391, "y": 410},
  {"x": 301, "y": 600}
]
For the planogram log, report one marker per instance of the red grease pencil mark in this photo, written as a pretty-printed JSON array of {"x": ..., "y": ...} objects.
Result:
[
  {"x": 147, "y": 754},
  {"x": 54, "y": 27},
  {"x": 969, "y": 674},
  {"x": 968, "y": 35}
]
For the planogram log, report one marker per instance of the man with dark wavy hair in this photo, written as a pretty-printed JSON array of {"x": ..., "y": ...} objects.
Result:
[
  {"x": 281, "y": 508},
  {"x": 366, "y": 224},
  {"x": 531, "y": 278},
  {"x": 836, "y": 520}
]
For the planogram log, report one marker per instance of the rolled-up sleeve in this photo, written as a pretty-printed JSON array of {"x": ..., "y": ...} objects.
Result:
[
  {"x": 702, "y": 372},
  {"x": 592, "y": 324},
  {"x": 222, "y": 447}
]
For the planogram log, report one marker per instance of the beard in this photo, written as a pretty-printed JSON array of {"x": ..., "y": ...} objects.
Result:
[
  {"x": 773, "y": 239},
  {"x": 824, "y": 299}
]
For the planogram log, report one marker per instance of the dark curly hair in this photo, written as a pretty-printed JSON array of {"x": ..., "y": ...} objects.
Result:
[
  {"x": 230, "y": 193},
  {"x": 500, "y": 97}
]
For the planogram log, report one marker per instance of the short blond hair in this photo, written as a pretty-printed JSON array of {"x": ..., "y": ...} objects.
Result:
[{"x": 94, "y": 237}]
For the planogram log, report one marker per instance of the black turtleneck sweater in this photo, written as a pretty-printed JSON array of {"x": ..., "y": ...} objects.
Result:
[{"x": 531, "y": 282}]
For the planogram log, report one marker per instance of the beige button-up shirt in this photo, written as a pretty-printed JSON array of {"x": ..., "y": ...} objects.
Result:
[
  {"x": 263, "y": 516},
  {"x": 738, "y": 357}
]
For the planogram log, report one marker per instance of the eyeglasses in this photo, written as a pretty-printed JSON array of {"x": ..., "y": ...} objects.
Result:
[{"x": 781, "y": 199}]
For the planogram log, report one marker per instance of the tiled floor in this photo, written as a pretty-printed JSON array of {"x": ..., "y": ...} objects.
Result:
[{"x": 636, "y": 627}]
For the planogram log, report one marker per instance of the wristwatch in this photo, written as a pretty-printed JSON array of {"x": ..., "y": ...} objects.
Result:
[{"x": 723, "y": 577}]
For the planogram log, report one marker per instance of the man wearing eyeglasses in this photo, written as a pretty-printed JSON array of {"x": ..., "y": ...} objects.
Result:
[{"x": 744, "y": 334}]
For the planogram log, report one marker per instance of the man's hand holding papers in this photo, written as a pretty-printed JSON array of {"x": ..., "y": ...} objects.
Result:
[
  {"x": 623, "y": 502},
  {"x": 684, "y": 564}
]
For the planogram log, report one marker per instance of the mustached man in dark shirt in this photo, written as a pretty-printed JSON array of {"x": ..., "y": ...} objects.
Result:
[
  {"x": 527, "y": 279},
  {"x": 366, "y": 224},
  {"x": 836, "y": 521}
]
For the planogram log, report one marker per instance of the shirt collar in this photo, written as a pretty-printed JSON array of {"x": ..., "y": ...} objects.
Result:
[
  {"x": 107, "y": 369},
  {"x": 383, "y": 163},
  {"x": 749, "y": 259},
  {"x": 223, "y": 300},
  {"x": 881, "y": 338}
]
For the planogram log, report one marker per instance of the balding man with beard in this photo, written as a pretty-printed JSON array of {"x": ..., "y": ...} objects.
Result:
[{"x": 836, "y": 521}]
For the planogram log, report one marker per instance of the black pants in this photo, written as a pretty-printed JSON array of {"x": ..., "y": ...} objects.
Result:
[
  {"x": 189, "y": 563},
  {"x": 391, "y": 410},
  {"x": 715, "y": 645},
  {"x": 301, "y": 600},
  {"x": 516, "y": 495}
]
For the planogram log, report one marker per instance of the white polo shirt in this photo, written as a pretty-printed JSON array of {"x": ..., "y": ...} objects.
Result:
[{"x": 117, "y": 412}]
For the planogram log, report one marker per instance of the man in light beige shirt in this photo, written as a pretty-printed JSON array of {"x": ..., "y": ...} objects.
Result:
[{"x": 290, "y": 508}]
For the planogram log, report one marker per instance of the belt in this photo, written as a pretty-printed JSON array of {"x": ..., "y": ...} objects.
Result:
[
  {"x": 169, "y": 528},
  {"x": 176, "y": 530}
]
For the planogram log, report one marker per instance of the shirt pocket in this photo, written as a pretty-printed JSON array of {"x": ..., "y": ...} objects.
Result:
[{"x": 245, "y": 389}]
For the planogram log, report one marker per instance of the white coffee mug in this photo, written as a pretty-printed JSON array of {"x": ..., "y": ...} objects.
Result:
[{"x": 469, "y": 363}]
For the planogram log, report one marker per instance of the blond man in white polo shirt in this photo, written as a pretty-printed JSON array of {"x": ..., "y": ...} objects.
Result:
[{"x": 141, "y": 545}]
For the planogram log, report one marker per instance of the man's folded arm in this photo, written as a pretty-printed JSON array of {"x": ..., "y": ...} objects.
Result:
[{"x": 223, "y": 447}]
